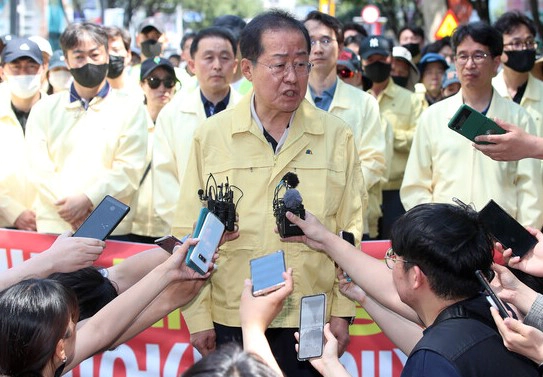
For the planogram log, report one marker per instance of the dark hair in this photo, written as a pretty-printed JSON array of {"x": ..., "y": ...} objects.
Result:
[
  {"x": 230, "y": 361},
  {"x": 115, "y": 31},
  {"x": 251, "y": 37},
  {"x": 328, "y": 21},
  {"x": 233, "y": 23},
  {"x": 481, "y": 33},
  {"x": 76, "y": 32},
  {"x": 93, "y": 290},
  {"x": 513, "y": 19},
  {"x": 436, "y": 46},
  {"x": 34, "y": 316},
  {"x": 448, "y": 243},
  {"x": 417, "y": 30},
  {"x": 214, "y": 31},
  {"x": 186, "y": 36},
  {"x": 355, "y": 26}
]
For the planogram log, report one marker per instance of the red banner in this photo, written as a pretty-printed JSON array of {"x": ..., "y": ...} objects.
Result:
[{"x": 164, "y": 349}]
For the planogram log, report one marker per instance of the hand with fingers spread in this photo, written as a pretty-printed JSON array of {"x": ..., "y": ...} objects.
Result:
[{"x": 532, "y": 261}]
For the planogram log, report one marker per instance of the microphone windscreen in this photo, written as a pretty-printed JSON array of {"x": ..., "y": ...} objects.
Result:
[
  {"x": 292, "y": 198},
  {"x": 291, "y": 179}
]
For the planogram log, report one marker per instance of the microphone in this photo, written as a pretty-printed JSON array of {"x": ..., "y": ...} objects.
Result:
[
  {"x": 292, "y": 199},
  {"x": 292, "y": 202}
]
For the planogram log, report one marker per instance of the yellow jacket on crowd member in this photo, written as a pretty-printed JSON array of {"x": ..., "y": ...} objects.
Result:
[
  {"x": 99, "y": 151},
  {"x": 400, "y": 108},
  {"x": 16, "y": 191},
  {"x": 443, "y": 164},
  {"x": 320, "y": 149},
  {"x": 175, "y": 126},
  {"x": 361, "y": 112}
]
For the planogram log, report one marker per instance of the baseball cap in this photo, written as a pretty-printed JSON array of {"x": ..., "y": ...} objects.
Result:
[
  {"x": 149, "y": 65},
  {"x": 57, "y": 60},
  {"x": 450, "y": 77},
  {"x": 349, "y": 59},
  {"x": 151, "y": 23},
  {"x": 43, "y": 44},
  {"x": 432, "y": 57},
  {"x": 375, "y": 45},
  {"x": 19, "y": 48}
]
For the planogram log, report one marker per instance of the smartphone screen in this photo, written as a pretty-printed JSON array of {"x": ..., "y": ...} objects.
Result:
[
  {"x": 210, "y": 236},
  {"x": 492, "y": 297},
  {"x": 103, "y": 219},
  {"x": 312, "y": 315},
  {"x": 506, "y": 230},
  {"x": 267, "y": 273},
  {"x": 471, "y": 123}
]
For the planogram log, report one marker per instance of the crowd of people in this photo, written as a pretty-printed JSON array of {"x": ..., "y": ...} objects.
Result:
[{"x": 363, "y": 122}]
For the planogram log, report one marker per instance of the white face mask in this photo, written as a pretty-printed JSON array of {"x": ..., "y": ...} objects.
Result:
[
  {"x": 60, "y": 80},
  {"x": 24, "y": 86}
]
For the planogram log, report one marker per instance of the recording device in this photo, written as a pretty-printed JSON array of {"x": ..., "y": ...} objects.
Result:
[
  {"x": 312, "y": 315},
  {"x": 210, "y": 236},
  {"x": 506, "y": 230},
  {"x": 291, "y": 201},
  {"x": 220, "y": 201},
  {"x": 103, "y": 219},
  {"x": 267, "y": 273},
  {"x": 471, "y": 123},
  {"x": 492, "y": 297},
  {"x": 168, "y": 243}
]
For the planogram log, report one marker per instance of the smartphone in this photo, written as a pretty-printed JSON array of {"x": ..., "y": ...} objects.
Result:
[
  {"x": 267, "y": 273},
  {"x": 471, "y": 123},
  {"x": 103, "y": 219},
  {"x": 506, "y": 230},
  {"x": 492, "y": 297},
  {"x": 312, "y": 315},
  {"x": 210, "y": 236},
  {"x": 349, "y": 237},
  {"x": 199, "y": 222},
  {"x": 168, "y": 243}
]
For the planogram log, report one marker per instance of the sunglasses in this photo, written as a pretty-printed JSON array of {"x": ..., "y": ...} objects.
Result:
[
  {"x": 154, "y": 82},
  {"x": 345, "y": 73}
]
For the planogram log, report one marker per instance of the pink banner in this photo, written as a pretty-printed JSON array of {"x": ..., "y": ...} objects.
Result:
[{"x": 164, "y": 349}]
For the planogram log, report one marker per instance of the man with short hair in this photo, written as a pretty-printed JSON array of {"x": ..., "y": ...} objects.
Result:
[
  {"x": 87, "y": 142},
  {"x": 119, "y": 58},
  {"x": 213, "y": 60},
  {"x": 357, "y": 108},
  {"x": 443, "y": 164},
  {"x": 412, "y": 38},
  {"x": 22, "y": 64},
  {"x": 270, "y": 132}
]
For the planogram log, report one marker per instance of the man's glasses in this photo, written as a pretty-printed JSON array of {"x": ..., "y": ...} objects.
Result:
[
  {"x": 154, "y": 82},
  {"x": 324, "y": 41},
  {"x": 529, "y": 44},
  {"x": 477, "y": 58},
  {"x": 345, "y": 73},
  {"x": 391, "y": 258},
  {"x": 281, "y": 69}
]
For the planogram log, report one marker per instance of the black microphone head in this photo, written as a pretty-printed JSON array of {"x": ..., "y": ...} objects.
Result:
[
  {"x": 292, "y": 199},
  {"x": 291, "y": 179}
]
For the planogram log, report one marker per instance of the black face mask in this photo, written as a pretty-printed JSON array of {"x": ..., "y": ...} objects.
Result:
[
  {"x": 90, "y": 75},
  {"x": 413, "y": 48},
  {"x": 400, "y": 80},
  {"x": 377, "y": 71},
  {"x": 151, "y": 48},
  {"x": 520, "y": 61},
  {"x": 116, "y": 66}
]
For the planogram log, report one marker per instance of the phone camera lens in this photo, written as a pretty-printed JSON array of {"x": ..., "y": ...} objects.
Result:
[{"x": 202, "y": 258}]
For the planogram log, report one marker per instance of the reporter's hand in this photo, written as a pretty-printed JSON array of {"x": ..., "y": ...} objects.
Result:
[
  {"x": 350, "y": 289},
  {"x": 512, "y": 290},
  {"x": 26, "y": 221},
  {"x": 520, "y": 338},
  {"x": 532, "y": 261},
  {"x": 314, "y": 232},
  {"x": 73, "y": 253},
  {"x": 340, "y": 328},
  {"x": 204, "y": 341},
  {"x": 258, "y": 312}
]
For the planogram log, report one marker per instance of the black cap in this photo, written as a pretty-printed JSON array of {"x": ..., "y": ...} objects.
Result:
[
  {"x": 375, "y": 45},
  {"x": 149, "y": 65},
  {"x": 19, "y": 48}
]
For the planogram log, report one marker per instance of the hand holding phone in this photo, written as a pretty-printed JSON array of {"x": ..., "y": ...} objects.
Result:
[
  {"x": 492, "y": 297},
  {"x": 312, "y": 316},
  {"x": 168, "y": 243},
  {"x": 470, "y": 123},
  {"x": 103, "y": 219},
  {"x": 210, "y": 236},
  {"x": 267, "y": 273}
]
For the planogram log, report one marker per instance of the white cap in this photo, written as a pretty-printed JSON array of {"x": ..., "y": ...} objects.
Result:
[
  {"x": 399, "y": 52},
  {"x": 43, "y": 44}
]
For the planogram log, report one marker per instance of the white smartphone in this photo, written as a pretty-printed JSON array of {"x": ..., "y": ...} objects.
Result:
[
  {"x": 267, "y": 273},
  {"x": 210, "y": 236},
  {"x": 312, "y": 315}
]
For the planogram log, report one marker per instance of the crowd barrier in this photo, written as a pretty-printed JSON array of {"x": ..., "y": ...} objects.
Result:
[{"x": 164, "y": 349}]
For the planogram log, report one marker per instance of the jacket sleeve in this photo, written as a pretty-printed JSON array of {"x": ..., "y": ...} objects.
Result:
[{"x": 403, "y": 138}]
